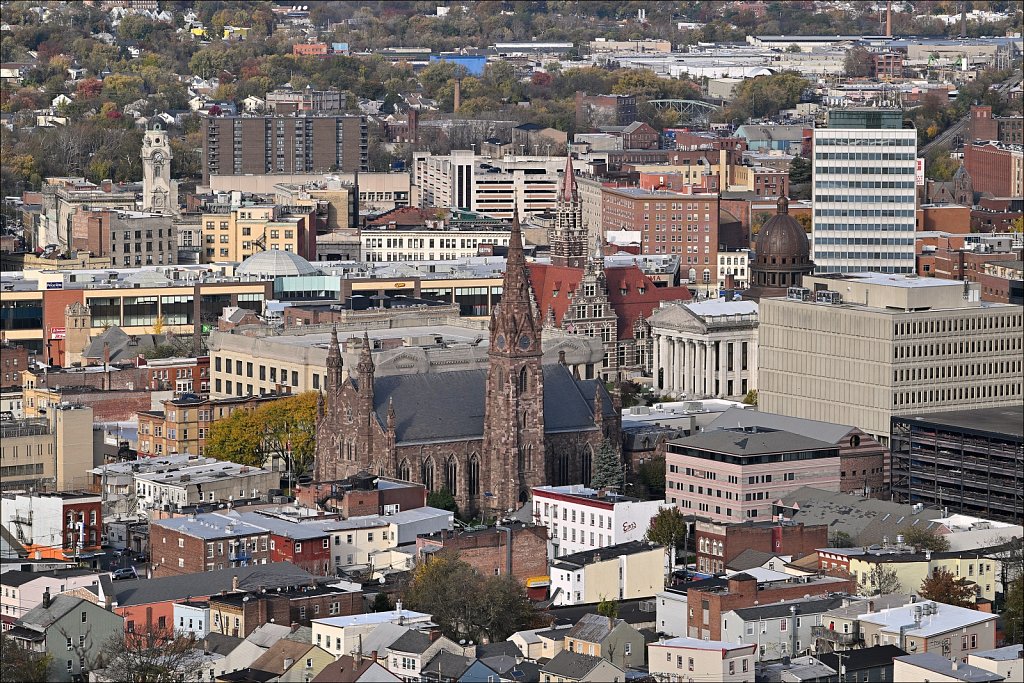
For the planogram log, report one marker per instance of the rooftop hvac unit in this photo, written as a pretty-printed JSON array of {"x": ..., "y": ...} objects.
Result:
[
  {"x": 693, "y": 406},
  {"x": 798, "y": 294},
  {"x": 827, "y": 296}
]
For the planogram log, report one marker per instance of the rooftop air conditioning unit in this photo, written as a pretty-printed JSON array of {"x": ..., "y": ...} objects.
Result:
[
  {"x": 827, "y": 296},
  {"x": 798, "y": 294}
]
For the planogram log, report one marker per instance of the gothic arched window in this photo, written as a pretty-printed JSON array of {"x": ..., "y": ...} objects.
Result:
[
  {"x": 522, "y": 380},
  {"x": 427, "y": 474},
  {"x": 403, "y": 471},
  {"x": 451, "y": 475},
  {"x": 586, "y": 467},
  {"x": 474, "y": 475}
]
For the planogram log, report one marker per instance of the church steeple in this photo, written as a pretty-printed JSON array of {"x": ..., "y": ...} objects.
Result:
[
  {"x": 514, "y": 331},
  {"x": 568, "y": 237},
  {"x": 334, "y": 361}
]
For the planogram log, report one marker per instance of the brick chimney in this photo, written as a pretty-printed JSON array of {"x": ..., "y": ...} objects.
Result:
[{"x": 234, "y": 583}]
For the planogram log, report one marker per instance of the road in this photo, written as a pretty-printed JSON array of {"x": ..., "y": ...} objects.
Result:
[{"x": 960, "y": 127}]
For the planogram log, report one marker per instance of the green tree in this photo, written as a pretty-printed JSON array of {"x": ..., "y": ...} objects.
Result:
[
  {"x": 766, "y": 96},
  {"x": 942, "y": 586},
  {"x": 466, "y": 605},
  {"x": 608, "y": 608},
  {"x": 18, "y": 665},
  {"x": 841, "y": 539},
  {"x": 1013, "y": 613},
  {"x": 651, "y": 477},
  {"x": 237, "y": 438},
  {"x": 442, "y": 500},
  {"x": 799, "y": 171},
  {"x": 607, "y": 468},
  {"x": 925, "y": 539},
  {"x": 750, "y": 398},
  {"x": 381, "y": 603},
  {"x": 668, "y": 528}
]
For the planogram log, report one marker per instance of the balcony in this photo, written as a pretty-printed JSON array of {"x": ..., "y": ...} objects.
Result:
[{"x": 825, "y": 633}]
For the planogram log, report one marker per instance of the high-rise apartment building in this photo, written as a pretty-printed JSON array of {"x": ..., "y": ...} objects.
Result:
[
  {"x": 862, "y": 348},
  {"x": 240, "y": 145},
  {"x": 864, "y": 192}
]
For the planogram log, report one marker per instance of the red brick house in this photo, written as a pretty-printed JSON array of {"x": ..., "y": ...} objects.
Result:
[{"x": 718, "y": 544}]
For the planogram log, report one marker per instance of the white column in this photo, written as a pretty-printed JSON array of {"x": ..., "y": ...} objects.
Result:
[
  {"x": 655, "y": 359},
  {"x": 702, "y": 351},
  {"x": 709, "y": 368},
  {"x": 735, "y": 367},
  {"x": 680, "y": 367},
  {"x": 685, "y": 369},
  {"x": 694, "y": 366},
  {"x": 752, "y": 369},
  {"x": 723, "y": 368}
]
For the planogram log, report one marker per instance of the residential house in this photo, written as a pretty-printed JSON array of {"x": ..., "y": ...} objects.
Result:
[
  {"x": 620, "y": 572},
  {"x": 1007, "y": 661},
  {"x": 410, "y": 652},
  {"x": 23, "y": 590},
  {"x": 341, "y": 634},
  {"x": 245, "y": 652},
  {"x": 240, "y": 612},
  {"x": 870, "y": 665},
  {"x": 608, "y": 638},
  {"x": 931, "y": 666},
  {"x": 450, "y": 667},
  {"x": 570, "y": 667},
  {"x": 540, "y": 642},
  {"x": 72, "y": 631},
  {"x": 290, "y": 660},
  {"x": 357, "y": 669},
  {"x": 686, "y": 659},
  {"x": 779, "y": 629}
]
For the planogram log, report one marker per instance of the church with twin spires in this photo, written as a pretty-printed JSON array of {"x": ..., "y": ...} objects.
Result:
[{"x": 487, "y": 436}]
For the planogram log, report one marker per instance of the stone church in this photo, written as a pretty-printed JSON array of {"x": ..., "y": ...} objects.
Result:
[{"x": 487, "y": 436}]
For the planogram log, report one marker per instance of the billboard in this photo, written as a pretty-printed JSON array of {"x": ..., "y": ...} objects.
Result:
[{"x": 919, "y": 172}]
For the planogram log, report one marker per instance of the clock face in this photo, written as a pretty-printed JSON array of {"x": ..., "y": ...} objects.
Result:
[
  {"x": 159, "y": 156},
  {"x": 500, "y": 342},
  {"x": 524, "y": 342}
]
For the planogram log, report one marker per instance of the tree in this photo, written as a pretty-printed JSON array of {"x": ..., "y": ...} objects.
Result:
[
  {"x": 882, "y": 580},
  {"x": 841, "y": 539},
  {"x": 750, "y": 398},
  {"x": 608, "y": 608},
  {"x": 285, "y": 428},
  {"x": 466, "y": 605},
  {"x": 607, "y": 468},
  {"x": 443, "y": 500},
  {"x": 799, "y": 171},
  {"x": 667, "y": 528},
  {"x": 1013, "y": 614},
  {"x": 860, "y": 63},
  {"x": 651, "y": 477},
  {"x": 18, "y": 665},
  {"x": 237, "y": 438},
  {"x": 381, "y": 603},
  {"x": 925, "y": 539},
  {"x": 152, "y": 655},
  {"x": 942, "y": 586}
]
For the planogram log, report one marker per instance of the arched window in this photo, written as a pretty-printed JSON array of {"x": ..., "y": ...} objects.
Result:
[
  {"x": 474, "y": 475},
  {"x": 403, "y": 471},
  {"x": 562, "y": 467},
  {"x": 522, "y": 380},
  {"x": 427, "y": 474},
  {"x": 587, "y": 465},
  {"x": 451, "y": 475}
]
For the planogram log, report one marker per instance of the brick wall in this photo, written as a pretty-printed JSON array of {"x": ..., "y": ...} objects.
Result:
[
  {"x": 486, "y": 551},
  {"x": 13, "y": 359},
  {"x": 170, "y": 559},
  {"x": 794, "y": 539}
]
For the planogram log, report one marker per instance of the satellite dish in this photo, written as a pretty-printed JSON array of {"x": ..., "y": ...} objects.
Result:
[{"x": 381, "y": 580}]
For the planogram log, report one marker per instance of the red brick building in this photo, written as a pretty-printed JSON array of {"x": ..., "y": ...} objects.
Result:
[
  {"x": 310, "y": 49},
  {"x": 769, "y": 182},
  {"x": 488, "y": 552},
  {"x": 363, "y": 494},
  {"x": 888, "y": 65},
  {"x": 994, "y": 167},
  {"x": 639, "y": 135},
  {"x": 203, "y": 543},
  {"x": 13, "y": 359},
  {"x": 708, "y": 602},
  {"x": 719, "y": 544},
  {"x": 240, "y": 613}
]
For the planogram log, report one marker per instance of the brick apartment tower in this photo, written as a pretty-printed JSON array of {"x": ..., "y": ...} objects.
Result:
[{"x": 513, "y": 437}]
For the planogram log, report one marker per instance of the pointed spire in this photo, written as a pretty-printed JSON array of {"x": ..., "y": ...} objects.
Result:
[
  {"x": 391, "y": 414},
  {"x": 334, "y": 362},
  {"x": 568, "y": 192},
  {"x": 365, "y": 366}
]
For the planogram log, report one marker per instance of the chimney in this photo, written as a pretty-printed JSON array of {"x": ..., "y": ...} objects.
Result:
[
  {"x": 234, "y": 583},
  {"x": 888, "y": 19},
  {"x": 359, "y": 651},
  {"x": 871, "y": 606},
  {"x": 106, "y": 354},
  {"x": 288, "y": 661},
  {"x": 398, "y": 606},
  {"x": 373, "y": 655},
  {"x": 458, "y": 95},
  {"x": 107, "y": 185},
  {"x": 434, "y": 635},
  {"x": 46, "y": 599}
]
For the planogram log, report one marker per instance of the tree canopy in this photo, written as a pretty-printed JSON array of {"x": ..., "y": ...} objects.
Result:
[
  {"x": 942, "y": 586},
  {"x": 667, "y": 528},
  {"x": 925, "y": 539},
  {"x": 607, "y": 468}
]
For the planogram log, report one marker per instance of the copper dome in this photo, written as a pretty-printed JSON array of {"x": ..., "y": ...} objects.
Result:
[{"x": 782, "y": 251}]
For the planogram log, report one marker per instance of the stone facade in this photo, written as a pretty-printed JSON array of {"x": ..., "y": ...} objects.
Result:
[{"x": 540, "y": 424}]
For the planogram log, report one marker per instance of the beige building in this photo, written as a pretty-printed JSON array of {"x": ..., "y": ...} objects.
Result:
[
  {"x": 341, "y": 635},
  {"x": 1003, "y": 661},
  {"x": 49, "y": 453},
  {"x": 861, "y": 348},
  {"x": 691, "y": 659},
  {"x": 913, "y": 568},
  {"x": 932, "y": 667},
  {"x": 619, "y": 572},
  {"x": 241, "y": 231},
  {"x": 386, "y": 244}
]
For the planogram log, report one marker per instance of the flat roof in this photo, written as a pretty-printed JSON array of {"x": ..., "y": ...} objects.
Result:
[
  {"x": 450, "y": 333},
  {"x": 372, "y": 618},
  {"x": 1008, "y": 420},
  {"x": 889, "y": 280}
]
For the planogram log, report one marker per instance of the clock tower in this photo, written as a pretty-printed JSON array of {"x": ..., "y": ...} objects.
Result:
[
  {"x": 159, "y": 192},
  {"x": 513, "y": 439}
]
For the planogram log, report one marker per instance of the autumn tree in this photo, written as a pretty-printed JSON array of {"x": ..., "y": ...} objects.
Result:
[
  {"x": 926, "y": 539},
  {"x": 465, "y": 604},
  {"x": 150, "y": 655},
  {"x": 942, "y": 586},
  {"x": 607, "y": 468},
  {"x": 841, "y": 539},
  {"x": 284, "y": 428},
  {"x": 668, "y": 528},
  {"x": 882, "y": 580},
  {"x": 608, "y": 608},
  {"x": 750, "y": 398}
]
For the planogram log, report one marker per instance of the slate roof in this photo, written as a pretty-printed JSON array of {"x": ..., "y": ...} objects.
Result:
[
  {"x": 592, "y": 628},
  {"x": 502, "y": 647},
  {"x": 781, "y": 609},
  {"x": 144, "y": 591},
  {"x": 18, "y": 577},
  {"x": 449, "y": 406},
  {"x": 274, "y": 658},
  {"x": 41, "y": 618},
  {"x": 571, "y": 665},
  {"x": 415, "y": 642},
  {"x": 446, "y": 666},
  {"x": 122, "y": 345},
  {"x": 218, "y": 643}
]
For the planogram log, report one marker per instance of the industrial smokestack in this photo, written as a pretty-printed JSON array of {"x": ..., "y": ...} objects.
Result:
[
  {"x": 888, "y": 19},
  {"x": 458, "y": 94},
  {"x": 963, "y": 19}
]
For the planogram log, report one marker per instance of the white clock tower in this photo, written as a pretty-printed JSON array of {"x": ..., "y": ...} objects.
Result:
[{"x": 159, "y": 192}]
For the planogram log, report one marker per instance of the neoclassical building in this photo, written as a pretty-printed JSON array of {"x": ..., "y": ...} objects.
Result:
[
  {"x": 487, "y": 436},
  {"x": 705, "y": 348}
]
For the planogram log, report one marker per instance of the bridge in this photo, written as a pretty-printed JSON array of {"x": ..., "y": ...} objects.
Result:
[{"x": 693, "y": 111}]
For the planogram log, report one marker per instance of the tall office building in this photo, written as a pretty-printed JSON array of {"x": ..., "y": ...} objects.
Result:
[
  {"x": 864, "y": 193},
  {"x": 244, "y": 145}
]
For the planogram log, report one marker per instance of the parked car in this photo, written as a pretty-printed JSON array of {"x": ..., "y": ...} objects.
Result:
[{"x": 124, "y": 573}]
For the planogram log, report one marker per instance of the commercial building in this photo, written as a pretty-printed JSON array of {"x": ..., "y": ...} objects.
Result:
[
  {"x": 862, "y": 348},
  {"x": 735, "y": 474},
  {"x": 48, "y": 453},
  {"x": 501, "y": 188},
  {"x": 969, "y": 461},
  {"x": 705, "y": 348},
  {"x": 864, "y": 192},
  {"x": 569, "y": 514},
  {"x": 171, "y": 489},
  {"x": 514, "y": 550},
  {"x": 342, "y": 633},
  {"x": 388, "y": 238},
  {"x": 128, "y": 238},
  {"x": 287, "y": 101},
  {"x": 593, "y": 111},
  {"x": 62, "y": 198},
  {"x": 995, "y": 167},
  {"x": 238, "y": 232},
  {"x": 620, "y": 572},
  {"x": 238, "y": 145},
  {"x": 685, "y": 659}
]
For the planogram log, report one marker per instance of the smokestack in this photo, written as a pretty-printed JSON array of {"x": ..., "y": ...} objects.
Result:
[
  {"x": 888, "y": 19},
  {"x": 458, "y": 94},
  {"x": 234, "y": 583},
  {"x": 963, "y": 19},
  {"x": 46, "y": 599}
]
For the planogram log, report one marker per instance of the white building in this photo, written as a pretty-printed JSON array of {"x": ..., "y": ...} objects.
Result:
[
  {"x": 427, "y": 244},
  {"x": 192, "y": 617},
  {"x": 781, "y": 629},
  {"x": 340, "y": 635},
  {"x": 735, "y": 263},
  {"x": 864, "y": 192},
  {"x": 671, "y": 611},
  {"x": 705, "y": 348},
  {"x": 214, "y": 482},
  {"x": 579, "y": 518},
  {"x": 691, "y": 659},
  {"x": 621, "y": 572},
  {"x": 496, "y": 187}
]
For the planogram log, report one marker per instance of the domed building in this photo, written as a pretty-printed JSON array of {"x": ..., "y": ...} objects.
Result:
[
  {"x": 275, "y": 263},
  {"x": 782, "y": 254}
]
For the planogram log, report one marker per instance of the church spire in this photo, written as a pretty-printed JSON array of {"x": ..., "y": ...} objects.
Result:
[
  {"x": 365, "y": 366},
  {"x": 568, "y": 192},
  {"x": 334, "y": 360},
  {"x": 568, "y": 236}
]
